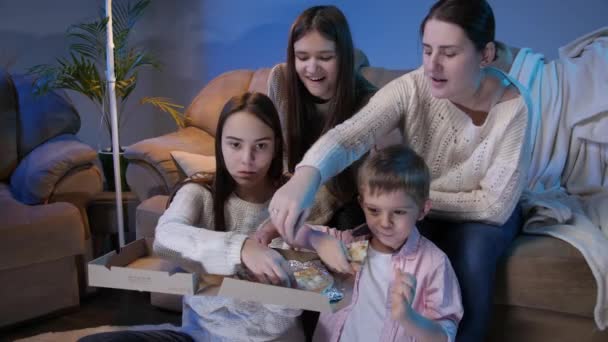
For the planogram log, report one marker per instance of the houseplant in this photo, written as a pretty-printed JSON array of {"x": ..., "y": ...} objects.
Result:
[{"x": 83, "y": 70}]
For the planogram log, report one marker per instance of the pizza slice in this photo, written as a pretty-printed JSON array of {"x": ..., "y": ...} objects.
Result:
[
  {"x": 312, "y": 279},
  {"x": 357, "y": 251}
]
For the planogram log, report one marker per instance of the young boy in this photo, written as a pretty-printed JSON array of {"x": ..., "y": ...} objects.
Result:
[{"x": 406, "y": 288}]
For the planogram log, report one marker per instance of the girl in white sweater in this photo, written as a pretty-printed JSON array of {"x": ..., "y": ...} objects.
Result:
[
  {"x": 469, "y": 123},
  {"x": 208, "y": 225}
]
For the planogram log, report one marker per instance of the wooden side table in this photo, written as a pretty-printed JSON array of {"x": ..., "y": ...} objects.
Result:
[{"x": 103, "y": 222}]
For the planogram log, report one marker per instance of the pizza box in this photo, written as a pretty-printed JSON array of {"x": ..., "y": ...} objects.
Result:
[{"x": 136, "y": 268}]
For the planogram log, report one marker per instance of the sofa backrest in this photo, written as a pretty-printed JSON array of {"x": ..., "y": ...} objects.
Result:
[
  {"x": 8, "y": 126},
  {"x": 42, "y": 117},
  {"x": 28, "y": 120},
  {"x": 205, "y": 109}
]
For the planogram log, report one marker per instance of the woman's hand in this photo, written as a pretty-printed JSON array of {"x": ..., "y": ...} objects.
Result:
[
  {"x": 287, "y": 207},
  {"x": 266, "y": 233},
  {"x": 402, "y": 296},
  {"x": 266, "y": 264}
]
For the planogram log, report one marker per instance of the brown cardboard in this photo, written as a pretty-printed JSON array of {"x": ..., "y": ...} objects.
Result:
[{"x": 135, "y": 268}]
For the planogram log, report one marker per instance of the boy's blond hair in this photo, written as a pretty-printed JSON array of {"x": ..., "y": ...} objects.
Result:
[{"x": 395, "y": 168}]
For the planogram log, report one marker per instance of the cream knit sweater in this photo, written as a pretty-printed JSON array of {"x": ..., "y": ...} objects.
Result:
[
  {"x": 477, "y": 172},
  {"x": 185, "y": 234},
  {"x": 179, "y": 237}
]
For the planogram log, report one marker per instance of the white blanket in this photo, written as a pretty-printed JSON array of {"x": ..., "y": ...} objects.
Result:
[{"x": 567, "y": 195}]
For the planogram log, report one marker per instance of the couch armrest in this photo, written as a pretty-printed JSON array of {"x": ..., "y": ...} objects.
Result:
[
  {"x": 147, "y": 215},
  {"x": 37, "y": 175},
  {"x": 151, "y": 160}
]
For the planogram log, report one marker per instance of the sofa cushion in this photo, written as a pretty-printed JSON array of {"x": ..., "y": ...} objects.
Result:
[
  {"x": 8, "y": 126},
  {"x": 42, "y": 117},
  {"x": 33, "y": 234},
  {"x": 381, "y": 76},
  {"x": 191, "y": 163},
  {"x": 147, "y": 215},
  {"x": 205, "y": 109},
  {"x": 157, "y": 153},
  {"x": 259, "y": 81},
  {"x": 35, "y": 178},
  {"x": 546, "y": 273}
]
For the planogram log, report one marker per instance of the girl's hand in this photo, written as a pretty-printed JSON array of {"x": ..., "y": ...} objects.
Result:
[
  {"x": 266, "y": 233},
  {"x": 331, "y": 251},
  {"x": 287, "y": 207},
  {"x": 266, "y": 264},
  {"x": 402, "y": 296}
]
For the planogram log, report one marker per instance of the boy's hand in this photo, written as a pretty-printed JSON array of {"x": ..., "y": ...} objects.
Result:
[
  {"x": 331, "y": 251},
  {"x": 402, "y": 295},
  {"x": 266, "y": 233}
]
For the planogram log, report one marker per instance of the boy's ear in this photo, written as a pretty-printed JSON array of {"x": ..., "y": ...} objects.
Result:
[{"x": 426, "y": 207}]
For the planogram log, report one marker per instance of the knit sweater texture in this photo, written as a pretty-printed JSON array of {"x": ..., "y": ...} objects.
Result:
[
  {"x": 186, "y": 235},
  {"x": 477, "y": 172}
]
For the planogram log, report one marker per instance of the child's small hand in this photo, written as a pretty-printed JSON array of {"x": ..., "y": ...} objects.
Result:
[
  {"x": 266, "y": 233},
  {"x": 332, "y": 252},
  {"x": 402, "y": 295}
]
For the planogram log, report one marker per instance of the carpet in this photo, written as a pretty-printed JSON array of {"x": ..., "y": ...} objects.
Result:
[{"x": 74, "y": 335}]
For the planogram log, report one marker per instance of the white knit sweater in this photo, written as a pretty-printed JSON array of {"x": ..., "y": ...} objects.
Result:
[
  {"x": 185, "y": 234},
  {"x": 477, "y": 172}
]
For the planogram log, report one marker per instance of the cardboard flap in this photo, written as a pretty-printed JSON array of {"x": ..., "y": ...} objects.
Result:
[
  {"x": 128, "y": 253},
  {"x": 136, "y": 268},
  {"x": 271, "y": 294}
]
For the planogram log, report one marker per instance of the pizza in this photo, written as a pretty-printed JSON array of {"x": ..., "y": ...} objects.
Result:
[
  {"x": 311, "y": 278},
  {"x": 357, "y": 251}
]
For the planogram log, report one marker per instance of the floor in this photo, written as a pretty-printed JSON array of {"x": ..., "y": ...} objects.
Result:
[{"x": 107, "y": 307}]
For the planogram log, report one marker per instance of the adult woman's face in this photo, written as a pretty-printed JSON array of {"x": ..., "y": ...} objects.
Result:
[
  {"x": 451, "y": 62},
  {"x": 317, "y": 64}
]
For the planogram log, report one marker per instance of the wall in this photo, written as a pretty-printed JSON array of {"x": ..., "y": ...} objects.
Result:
[{"x": 198, "y": 40}]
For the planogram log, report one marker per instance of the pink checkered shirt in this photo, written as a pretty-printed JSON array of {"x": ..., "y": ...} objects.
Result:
[{"x": 437, "y": 292}]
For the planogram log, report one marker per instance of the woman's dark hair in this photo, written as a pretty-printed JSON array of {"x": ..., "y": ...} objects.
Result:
[
  {"x": 304, "y": 123},
  {"x": 475, "y": 17},
  {"x": 222, "y": 184}
]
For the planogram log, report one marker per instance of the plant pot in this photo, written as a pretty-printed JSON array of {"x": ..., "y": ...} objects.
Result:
[{"x": 105, "y": 157}]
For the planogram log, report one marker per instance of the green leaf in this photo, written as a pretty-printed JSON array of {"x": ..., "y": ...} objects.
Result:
[{"x": 165, "y": 105}]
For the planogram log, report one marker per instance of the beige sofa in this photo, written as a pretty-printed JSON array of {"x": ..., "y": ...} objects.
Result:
[
  {"x": 545, "y": 290},
  {"x": 47, "y": 178}
]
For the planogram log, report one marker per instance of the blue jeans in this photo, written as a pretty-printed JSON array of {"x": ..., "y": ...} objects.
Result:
[
  {"x": 474, "y": 250},
  {"x": 136, "y": 336}
]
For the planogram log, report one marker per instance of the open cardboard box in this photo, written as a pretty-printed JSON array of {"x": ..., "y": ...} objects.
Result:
[{"x": 136, "y": 268}]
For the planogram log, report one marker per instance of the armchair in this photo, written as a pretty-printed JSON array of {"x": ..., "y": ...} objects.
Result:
[{"x": 46, "y": 179}]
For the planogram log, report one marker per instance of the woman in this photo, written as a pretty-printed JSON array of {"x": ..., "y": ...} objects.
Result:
[
  {"x": 469, "y": 123},
  {"x": 317, "y": 89}
]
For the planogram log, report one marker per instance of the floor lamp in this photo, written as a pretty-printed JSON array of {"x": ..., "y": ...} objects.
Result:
[{"x": 111, "y": 84}]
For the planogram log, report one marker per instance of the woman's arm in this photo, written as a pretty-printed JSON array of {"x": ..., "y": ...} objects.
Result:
[
  {"x": 338, "y": 148},
  {"x": 347, "y": 142},
  {"x": 178, "y": 238}
]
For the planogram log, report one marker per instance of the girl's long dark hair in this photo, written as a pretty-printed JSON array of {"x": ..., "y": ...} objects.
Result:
[
  {"x": 222, "y": 184},
  {"x": 304, "y": 123}
]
